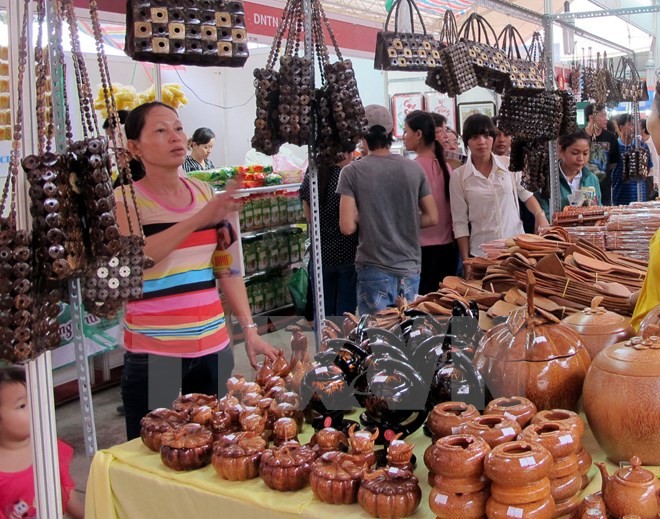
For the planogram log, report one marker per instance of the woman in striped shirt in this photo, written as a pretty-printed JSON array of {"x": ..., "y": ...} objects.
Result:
[
  {"x": 201, "y": 145},
  {"x": 175, "y": 337}
]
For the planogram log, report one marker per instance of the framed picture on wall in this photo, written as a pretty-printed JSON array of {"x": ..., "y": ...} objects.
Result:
[
  {"x": 441, "y": 104},
  {"x": 402, "y": 105},
  {"x": 465, "y": 110}
]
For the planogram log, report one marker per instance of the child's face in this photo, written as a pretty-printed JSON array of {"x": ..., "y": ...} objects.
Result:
[{"x": 14, "y": 412}]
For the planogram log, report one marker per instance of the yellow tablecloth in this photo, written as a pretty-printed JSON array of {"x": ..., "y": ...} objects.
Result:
[{"x": 130, "y": 482}]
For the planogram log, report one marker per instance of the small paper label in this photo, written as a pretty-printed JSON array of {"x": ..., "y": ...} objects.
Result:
[
  {"x": 527, "y": 461},
  {"x": 320, "y": 370},
  {"x": 389, "y": 435},
  {"x": 441, "y": 499},
  {"x": 457, "y": 430},
  {"x": 415, "y": 333},
  {"x": 514, "y": 511},
  {"x": 566, "y": 439},
  {"x": 509, "y": 416},
  {"x": 379, "y": 379},
  {"x": 509, "y": 431}
]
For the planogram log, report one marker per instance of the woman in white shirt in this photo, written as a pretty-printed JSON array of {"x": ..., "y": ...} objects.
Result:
[{"x": 484, "y": 194}]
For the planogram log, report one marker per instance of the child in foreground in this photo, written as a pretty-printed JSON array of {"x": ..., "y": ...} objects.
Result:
[{"x": 17, "y": 494}]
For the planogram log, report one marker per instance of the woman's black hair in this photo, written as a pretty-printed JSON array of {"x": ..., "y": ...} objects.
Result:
[
  {"x": 568, "y": 139},
  {"x": 122, "y": 114},
  {"x": 423, "y": 121},
  {"x": 478, "y": 124},
  {"x": 377, "y": 138},
  {"x": 438, "y": 119},
  {"x": 136, "y": 119},
  {"x": 202, "y": 136},
  {"x": 12, "y": 374},
  {"x": 324, "y": 173}
]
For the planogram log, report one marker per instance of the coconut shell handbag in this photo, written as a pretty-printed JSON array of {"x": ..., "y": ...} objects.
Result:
[
  {"x": 189, "y": 32},
  {"x": 405, "y": 50},
  {"x": 524, "y": 74},
  {"x": 631, "y": 86}
]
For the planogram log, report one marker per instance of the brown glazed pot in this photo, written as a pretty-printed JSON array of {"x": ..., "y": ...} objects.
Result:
[
  {"x": 287, "y": 469},
  {"x": 493, "y": 428},
  {"x": 516, "y": 408},
  {"x": 457, "y": 456},
  {"x": 599, "y": 328},
  {"x": 566, "y": 487},
  {"x": 239, "y": 461},
  {"x": 189, "y": 447},
  {"x": 465, "y": 505},
  {"x": 622, "y": 402},
  {"x": 557, "y": 437},
  {"x": 532, "y": 357},
  {"x": 518, "y": 463},
  {"x": 446, "y": 418},
  {"x": 571, "y": 418},
  {"x": 335, "y": 478},
  {"x": 543, "y": 509},
  {"x": 519, "y": 495},
  {"x": 390, "y": 493},
  {"x": 157, "y": 422}
]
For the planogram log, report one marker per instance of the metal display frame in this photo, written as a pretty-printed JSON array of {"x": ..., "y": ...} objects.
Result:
[{"x": 547, "y": 21}]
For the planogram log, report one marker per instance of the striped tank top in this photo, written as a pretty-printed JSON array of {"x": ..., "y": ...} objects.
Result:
[{"x": 180, "y": 314}]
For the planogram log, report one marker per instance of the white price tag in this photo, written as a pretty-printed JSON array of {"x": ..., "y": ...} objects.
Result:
[
  {"x": 527, "y": 461},
  {"x": 565, "y": 439},
  {"x": 457, "y": 430},
  {"x": 379, "y": 379},
  {"x": 441, "y": 499},
  {"x": 508, "y": 431},
  {"x": 514, "y": 511},
  {"x": 320, "y": 370},
  {"x": 510, "y": 416}
]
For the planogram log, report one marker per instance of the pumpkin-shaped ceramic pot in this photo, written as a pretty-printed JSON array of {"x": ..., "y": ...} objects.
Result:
[
  {"x": 533, "y": 357},
  {"x": 287, "y": 469},
  {"x": 599, "y": 327},
  {"x": 447, "y": 418},
  {"x": 516, "y": 408},
  {"x": 187, "y": 448},
  {"x": 185, "y": 403},
  {"x": 157, "y": 422},
  {"x": 622, "y": 400},
  {"x": 390, "y": 493},
  {"x": 335, "y": 478},
  {"x": 239, "y": 461}
]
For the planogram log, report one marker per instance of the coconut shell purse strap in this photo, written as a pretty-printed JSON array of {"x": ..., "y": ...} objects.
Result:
[
  {"x": 203, "y": 32},
  {"x": 405, "y": 50}
]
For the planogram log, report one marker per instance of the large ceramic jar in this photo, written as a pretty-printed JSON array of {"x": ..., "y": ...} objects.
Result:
[
  {"x": 532, "y": 356},
  {"x": 599, "y": 327},
  {"x": 622, "y": 400}
]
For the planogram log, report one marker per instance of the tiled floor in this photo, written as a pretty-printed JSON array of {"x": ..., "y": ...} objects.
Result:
[{"x": 110, "y": 428}]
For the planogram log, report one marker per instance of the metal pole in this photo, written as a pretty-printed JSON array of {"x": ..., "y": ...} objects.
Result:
[
  {"x": 75, "y": 302},
  {"x": 158, "y": 82},
  {"x": 555, "y": 187},
  {"x": 45, "y": 457},
  {"x": 315, "y": 234}
]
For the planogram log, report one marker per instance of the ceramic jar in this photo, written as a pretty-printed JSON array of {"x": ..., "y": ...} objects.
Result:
[
  {"x": 493, "y": 428},
  {"x": 562, "y": 443},
  {"x": 599, "y": 328},
  {"x": 529, "y": 356},
  {"x": 520, "y": 486},
  {"x": 516, "y": 408},
  {"x": 399, "y": 454},
  {"x": 631, "y": 491},
  {"x": 390, "y": 493},
  {"x": 576, "y": 424},
  {"x": 456, "y": 465},
  {"x": 335, "y": 478},
  {"x": 189, "y": 447},
  {"x": 239, "y": 461},
  {"x": 157, "y": 422},
  {"x": 447, "y": 418},
  {"x": 287, "y": 469},
  {"x": 621, "y": 400}
]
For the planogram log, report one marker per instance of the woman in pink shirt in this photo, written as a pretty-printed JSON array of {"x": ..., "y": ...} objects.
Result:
[{"x": 439, "y": 256}]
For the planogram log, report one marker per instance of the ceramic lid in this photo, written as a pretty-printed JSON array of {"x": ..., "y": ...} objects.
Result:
[
  {"x": 596, "y": 320},
  {"x": 635, "y": 473},
  {"x": 636, "y": 357}
]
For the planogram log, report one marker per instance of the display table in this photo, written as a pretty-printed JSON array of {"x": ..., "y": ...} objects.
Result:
[{"x": 129, "y": 481}]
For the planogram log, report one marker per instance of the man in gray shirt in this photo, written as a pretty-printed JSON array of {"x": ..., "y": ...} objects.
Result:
[{"x": 393, "y": 199}]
